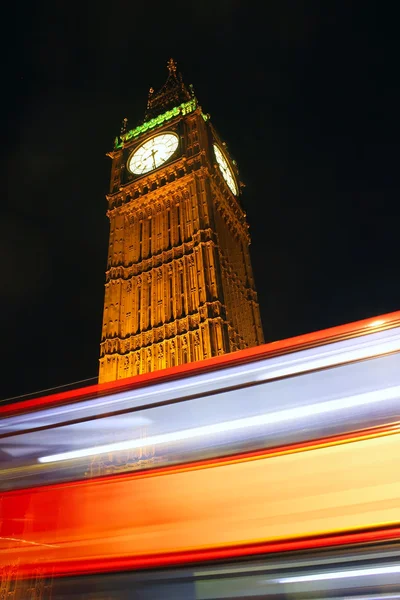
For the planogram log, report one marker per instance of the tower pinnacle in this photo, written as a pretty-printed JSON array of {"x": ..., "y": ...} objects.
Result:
[
  {"x": 172, "y": 93},
  {"x": 171, "y": 64}
]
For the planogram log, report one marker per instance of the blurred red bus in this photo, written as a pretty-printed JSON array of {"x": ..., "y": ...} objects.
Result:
[{"x": 290, "y": 447}]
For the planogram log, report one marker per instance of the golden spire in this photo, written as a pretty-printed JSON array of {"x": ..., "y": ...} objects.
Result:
[
  {"x": 171, "y": 64},
  {"x": 171, "y": 94}
]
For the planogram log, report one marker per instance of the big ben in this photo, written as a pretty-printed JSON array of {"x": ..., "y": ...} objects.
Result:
[{"x": 179, "y": 283}]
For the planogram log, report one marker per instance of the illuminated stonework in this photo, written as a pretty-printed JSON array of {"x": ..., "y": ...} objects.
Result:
[{"x": 179, "y": 284}]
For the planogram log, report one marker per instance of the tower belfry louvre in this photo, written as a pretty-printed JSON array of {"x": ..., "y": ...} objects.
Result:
[{"x": 179, "y": 283}]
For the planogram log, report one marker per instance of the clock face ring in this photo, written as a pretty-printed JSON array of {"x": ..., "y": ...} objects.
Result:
[
  {"x": 225, "y": 169},
  {"x": 153, "y": 153}
]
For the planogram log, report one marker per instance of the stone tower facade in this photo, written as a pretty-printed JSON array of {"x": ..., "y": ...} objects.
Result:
[{"x": 179, "y": 283}]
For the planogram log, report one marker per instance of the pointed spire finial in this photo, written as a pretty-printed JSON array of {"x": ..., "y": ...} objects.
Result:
[
  {"x": 124, "y": 126},
  {"x": 171, "y": 64},
  {"x": 151, "y": 92},
  {"x": 172, "y": 93}
]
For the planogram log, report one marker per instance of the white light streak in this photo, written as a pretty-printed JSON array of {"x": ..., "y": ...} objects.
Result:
[
  {"x": 342, "y": 574},
  {"x": 329, "y": 359},
  {"x": 30, "y": 542},
  {"x": 289, "y": 414},
  {"x": 380, "y": 597},
  {"x": 377, "y": 323}
]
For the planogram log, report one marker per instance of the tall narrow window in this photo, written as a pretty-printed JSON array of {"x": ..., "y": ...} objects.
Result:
[
  {"x": 159, "y": 232},
  {"x": 182, "y": 289},
  {"x": 139, "y": 302},
  {"x": 183, "y": 219},
  {"x": 149, "y": 302},
  {"x": 192, "y": 287},
  {"x": 140, "y": 240},
  {"x": 178, "y": 216},
  {"x": 169, "y": 240},
  {"x": 150, "y": 235},
  {"x": 159, "y": 297},
  {"x": 171, "y": 297}
]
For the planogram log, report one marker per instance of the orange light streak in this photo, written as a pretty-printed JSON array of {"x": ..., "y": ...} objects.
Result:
[{"x": 329, "y": 495}]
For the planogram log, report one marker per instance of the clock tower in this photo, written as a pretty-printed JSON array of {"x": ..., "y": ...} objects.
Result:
[{"x": 179, "y": 284}]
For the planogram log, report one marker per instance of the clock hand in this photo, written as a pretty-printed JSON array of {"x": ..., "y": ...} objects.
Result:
[{"x": 153, "y": 153}]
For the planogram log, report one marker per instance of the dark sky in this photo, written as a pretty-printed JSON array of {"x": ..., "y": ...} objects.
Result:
[{"x": 306, "y": 94}]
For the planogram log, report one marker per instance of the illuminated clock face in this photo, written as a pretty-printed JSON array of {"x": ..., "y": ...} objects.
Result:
[
  {"x": 225, "y": 170},
  {"x": 153, "y": 153}
]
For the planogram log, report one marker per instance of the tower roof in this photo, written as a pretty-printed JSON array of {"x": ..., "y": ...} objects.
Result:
[{"x": 172, "y": 93}]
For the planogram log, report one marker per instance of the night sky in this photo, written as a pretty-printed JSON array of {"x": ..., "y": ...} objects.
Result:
[{"x": 306, "y": 96}]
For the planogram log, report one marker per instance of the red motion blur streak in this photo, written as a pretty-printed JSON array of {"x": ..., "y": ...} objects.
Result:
[
  {"x": 91, "y": 566},
  {"x": 336, "y": 494},
  {"x": 286, "y": 346}
]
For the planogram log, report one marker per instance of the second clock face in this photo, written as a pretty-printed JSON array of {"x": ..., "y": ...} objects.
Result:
[
  {"x": 225, "y": 170},
  {"x": 153, "y": 153}
]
